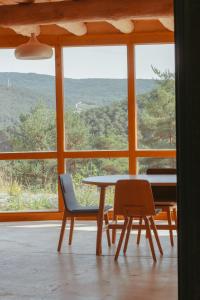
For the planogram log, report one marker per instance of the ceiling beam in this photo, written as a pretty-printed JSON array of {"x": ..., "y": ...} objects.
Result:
[
  {"x": 77, "y": 28},
  {"x": 125, "y": 26},
  {"x": 83, "y": 11},
  {"x": 167, "y": 23},
  {"x": 26, "y": 30}
]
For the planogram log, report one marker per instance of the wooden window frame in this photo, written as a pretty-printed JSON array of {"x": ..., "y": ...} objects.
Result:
[{"x": 61, "y": 154}]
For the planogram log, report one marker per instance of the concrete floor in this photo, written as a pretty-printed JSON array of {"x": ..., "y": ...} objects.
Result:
[{"x": 30, "y": 267}]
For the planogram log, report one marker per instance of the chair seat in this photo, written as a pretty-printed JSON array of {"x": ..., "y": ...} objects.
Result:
[{"x": 89, "y": 209}]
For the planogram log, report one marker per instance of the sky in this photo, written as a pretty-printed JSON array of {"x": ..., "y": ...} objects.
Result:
[{"x": 96, "y": 62}]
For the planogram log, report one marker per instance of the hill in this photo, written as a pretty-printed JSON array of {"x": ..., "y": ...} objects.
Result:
[{"x": 19, "y": 92}]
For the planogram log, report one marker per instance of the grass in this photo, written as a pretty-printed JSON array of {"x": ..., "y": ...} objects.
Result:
[{"x": 14, "y": 197}]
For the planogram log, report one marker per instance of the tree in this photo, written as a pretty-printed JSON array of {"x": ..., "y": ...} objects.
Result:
[
  {"x": 35, "y": 131},
  {"x": 156, "y": 114},
  {"x": 108, "y": 126},
  {"x": 77, "y": 136}
]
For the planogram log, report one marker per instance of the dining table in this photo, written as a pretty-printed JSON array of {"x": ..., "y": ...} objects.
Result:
[{"x": 102, "y": 182}]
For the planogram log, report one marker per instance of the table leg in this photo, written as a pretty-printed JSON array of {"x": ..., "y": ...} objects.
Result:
[{"x": 100, "y": 221}]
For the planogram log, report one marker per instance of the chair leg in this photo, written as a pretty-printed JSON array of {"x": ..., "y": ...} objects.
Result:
[
  {"x": 146, "y": 235},
  {"x": 139, "y": 232},
  {"x": 121, "y": 238},
  {"x": 114, "y": 230},
  {"x": 71, "y": 231},
  {"x": 150, "y": 238},
  {"x": 156, "y": 234},
  {"x": 62, "y": 231},
  {"x": 128, "y": 234},
  {"x": 170, "y": 224},
  {"x": 174, "y": 213},
  {"x": 107, "y": 229}
]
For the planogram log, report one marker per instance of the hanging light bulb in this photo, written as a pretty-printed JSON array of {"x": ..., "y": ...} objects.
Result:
[{"x": 33, "y": 50}]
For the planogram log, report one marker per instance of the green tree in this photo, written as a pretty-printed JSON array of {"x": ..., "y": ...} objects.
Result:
[
  {"x": 77, "y": 136},
  {"x": 108, "y": 126},
  {"x": 35, "y": 131},
  {"x": 156, "y": 114}
]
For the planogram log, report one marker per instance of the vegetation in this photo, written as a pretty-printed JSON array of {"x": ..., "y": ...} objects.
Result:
[
  {"x": 94, "y": 124},
  {"x": 156, "y": 115},
  {"x": 21, "y": 92}
]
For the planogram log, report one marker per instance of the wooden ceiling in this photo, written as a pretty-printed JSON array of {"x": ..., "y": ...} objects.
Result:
[{"x": 81, "y": 17}]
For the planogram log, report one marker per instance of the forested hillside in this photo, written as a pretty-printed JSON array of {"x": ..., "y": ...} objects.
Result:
[{"x": 20, "y": 92}]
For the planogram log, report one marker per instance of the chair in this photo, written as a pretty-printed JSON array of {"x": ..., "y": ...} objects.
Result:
[
  {"x": 165, "y": 198},
  {"x": 134, "y": 199},
  {"x": 73, "y": 209}
]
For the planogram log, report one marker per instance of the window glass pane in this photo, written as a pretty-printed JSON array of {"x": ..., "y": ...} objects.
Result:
[
  {"x": 27, "y": 95},
  {"x": 155, "y": 89},
  {"x": 82, "y": 168},
  {"x": 28, "y": 185},
  {"x": 148, "y": 162},
  {"x": 95, "y": 98}
]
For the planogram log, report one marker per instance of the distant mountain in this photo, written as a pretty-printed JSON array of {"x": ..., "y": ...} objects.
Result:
[{"x": 19, "y": 92}]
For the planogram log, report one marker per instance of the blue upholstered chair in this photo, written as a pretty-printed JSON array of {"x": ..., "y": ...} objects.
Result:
[{"x": 74, "y": 210}]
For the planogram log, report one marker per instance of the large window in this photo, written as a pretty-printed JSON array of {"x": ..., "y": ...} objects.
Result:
[
  {"x": 27, "y": 124},
  {"x": 95, "y": 98},
  {"x": 27, "y": 95},
  {"x": 100, "y": 133},
  {"x": 155, "y": 89}
]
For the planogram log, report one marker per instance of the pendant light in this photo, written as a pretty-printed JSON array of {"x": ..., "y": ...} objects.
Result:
[{"x": 33, "y": 50}]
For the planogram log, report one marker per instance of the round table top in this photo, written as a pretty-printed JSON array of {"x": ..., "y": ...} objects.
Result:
[{"x": 155, "y": 180}]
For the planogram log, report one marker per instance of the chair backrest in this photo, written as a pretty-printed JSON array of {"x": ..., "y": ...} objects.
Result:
[
  {"x": 163, "y": 193},
  {"x": 161, "y": 171},
  {"x": 68, "y": 193},
  {"x": 133, "y": 198}
]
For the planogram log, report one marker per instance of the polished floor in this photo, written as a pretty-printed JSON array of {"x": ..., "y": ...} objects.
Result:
[{"x": 31, "y": 268}]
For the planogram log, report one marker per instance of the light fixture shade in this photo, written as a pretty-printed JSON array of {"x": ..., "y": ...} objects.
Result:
[{"x": 33, "y": 50}]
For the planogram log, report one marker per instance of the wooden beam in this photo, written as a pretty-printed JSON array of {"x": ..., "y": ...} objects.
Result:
[
  {"x": 97, "y": 154},
  {"x": 26, "y": 30},
  {"x": 125, "y": 26},
  {"x": 77, "y": 28},
  {"x": 60, "y": 122},
  {"x": 132, "y": 109},
  {"x": 167, "y": 23},
  {"x": 156, "y": 153},
  {"x": 68, "y": 40},
  {"x": 27, "y": 155},
  {"x": 84, "y": 10}
]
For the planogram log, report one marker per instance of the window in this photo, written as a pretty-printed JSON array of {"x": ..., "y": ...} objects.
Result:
[
  {"x": 27, "y": 185},
  {"x": 155, "y": 89},
  {"x": 95, "y": 121},
  {"x": 81, "y": 168},
  {"x": 95, "y": 98},
  {"x": 145, "y": 163},
  {"x": 27, "y": 95}
]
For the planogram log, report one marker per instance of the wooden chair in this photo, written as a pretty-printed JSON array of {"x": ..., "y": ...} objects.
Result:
[
  {"x": 134, "y": 199},
  {"x": 73, "y": 209},
  {"x": 165, "y": 199}
]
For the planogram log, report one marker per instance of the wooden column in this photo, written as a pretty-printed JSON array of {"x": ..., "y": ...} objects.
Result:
[
  {"x": 60, "y": 115},
  {"x": 132, "y": 117}
]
